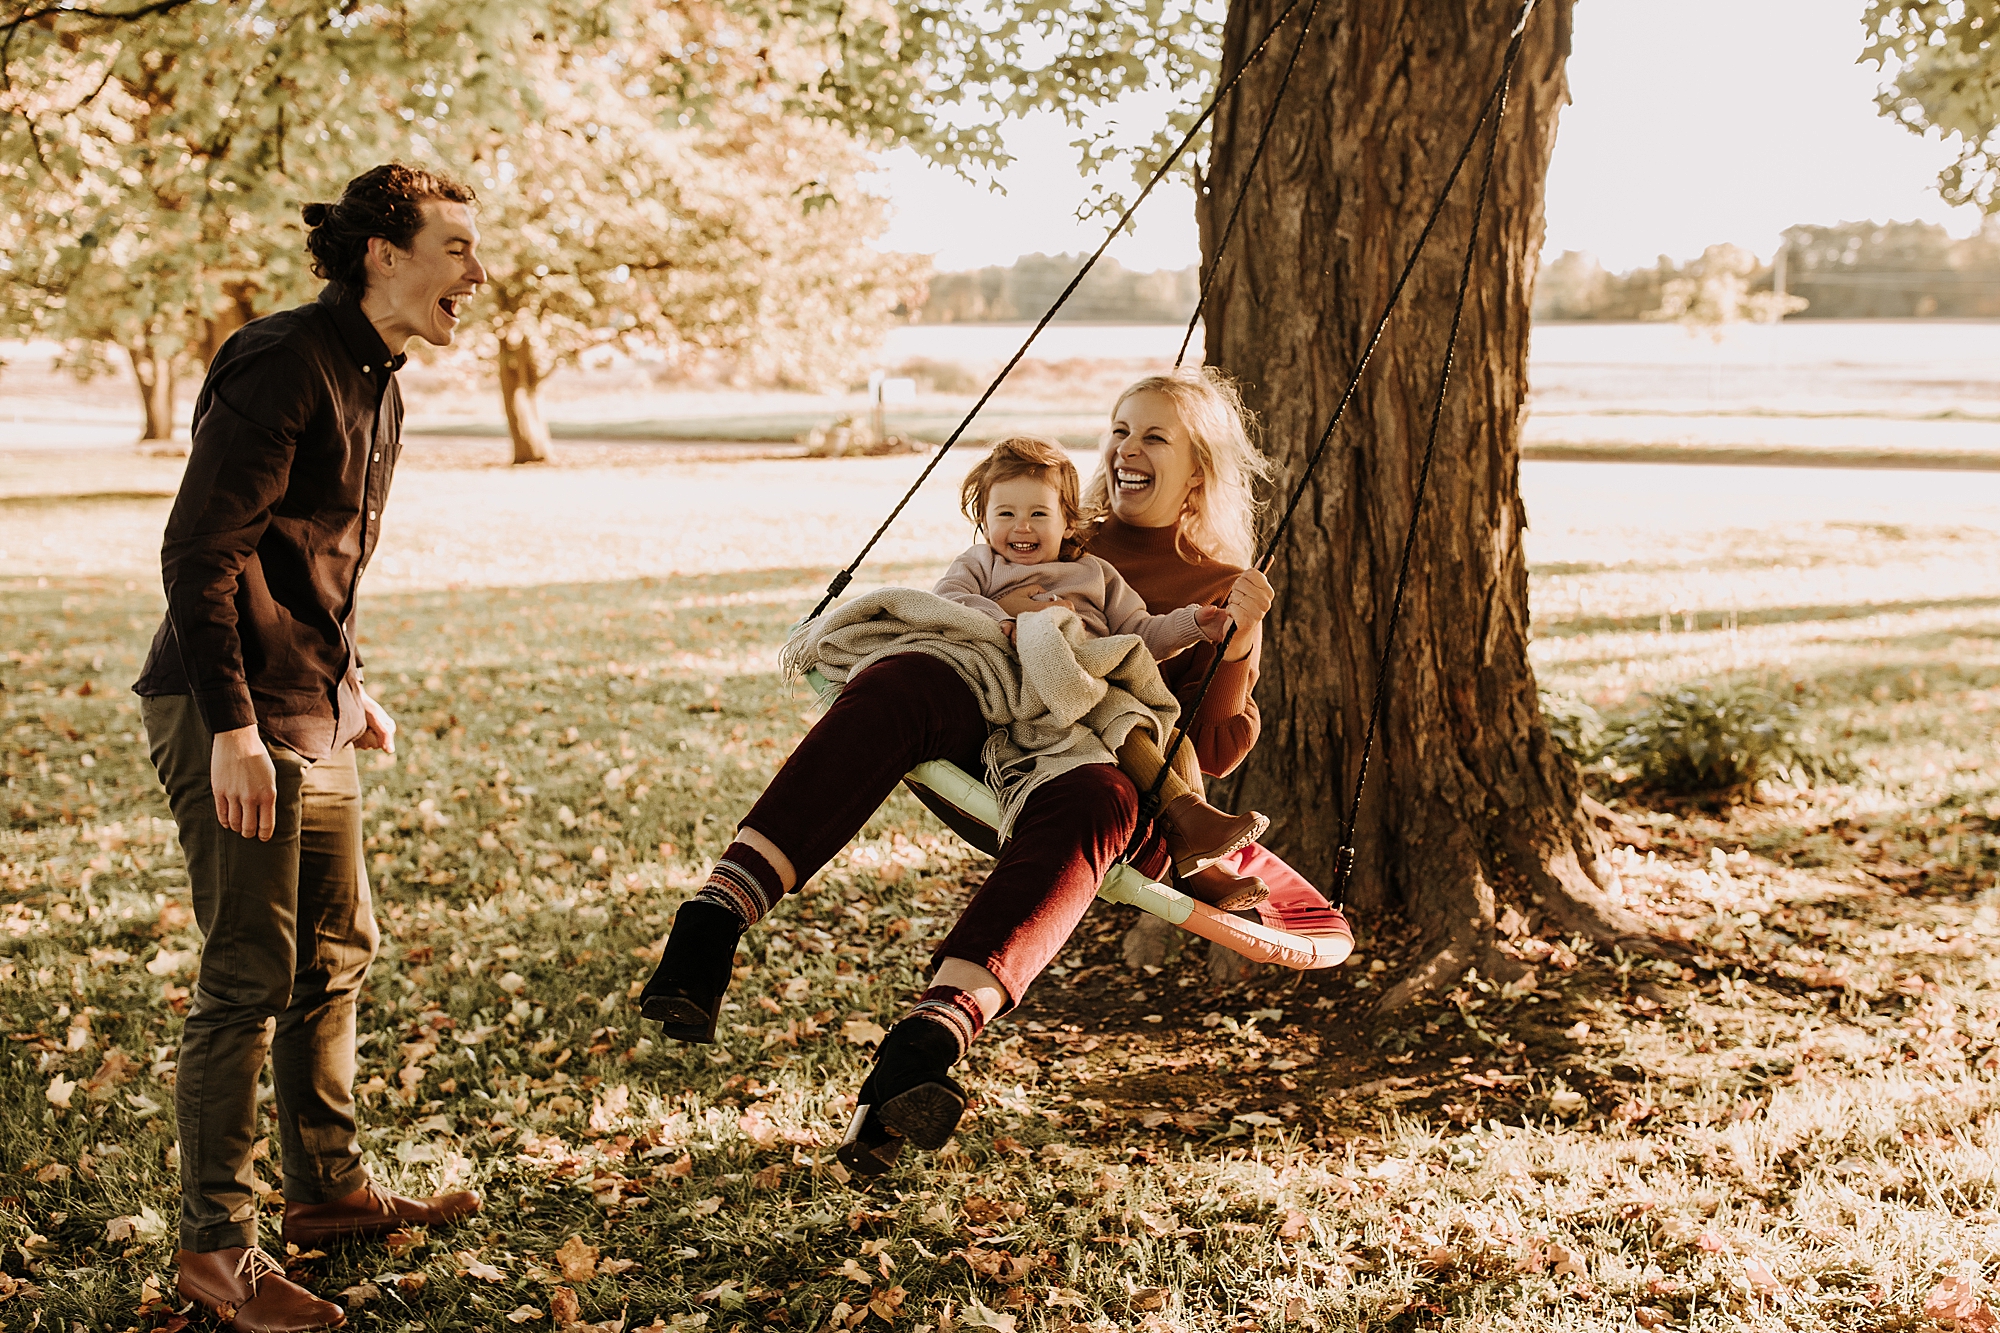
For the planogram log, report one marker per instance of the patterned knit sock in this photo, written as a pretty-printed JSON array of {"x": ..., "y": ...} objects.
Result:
[
  {"x": 744, "y": 883},
  {"x": 955, "y": 1011}
]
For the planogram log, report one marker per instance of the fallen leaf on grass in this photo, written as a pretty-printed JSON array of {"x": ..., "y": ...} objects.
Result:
[
  {"x": 521, "y": 1314},
  {"x": 60, "y": 1091},
  {"x": 51, "y": 1173},
  {"x": 564, "y": 1307},
  {"x": 116, "y": 1069},
  {"x": 1566, "y": 1262},
  {"x": 577, "y": 1260},
  {"x": 359, "y": 1295},
  {"x": 863, "y": 1031},
  {"x": 706, "y": 1206},
  {"x": 1295, "y": 1225},
  {"x": 147, "y": 1227},
  {"x": 1148, "y": 1298},
  {"x": 471, "y": 1265},
  {"x": 1762, "y": 1280},
  {"x": 1955, "y": 1303},
  {"x": 976, "y": 1315},
  {"x": 1649, "y": 1316}
]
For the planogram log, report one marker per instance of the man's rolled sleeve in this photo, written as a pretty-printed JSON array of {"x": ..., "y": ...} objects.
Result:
[{"x": 237, "y": 473}]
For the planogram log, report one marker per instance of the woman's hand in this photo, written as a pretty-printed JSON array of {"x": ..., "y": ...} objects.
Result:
[
  {"x": 1213, "y": 621},
  {"x": 1249, "y": 600},
  {"x": 1007, "y": 628},
  {"x": 1030, "y": 597}
]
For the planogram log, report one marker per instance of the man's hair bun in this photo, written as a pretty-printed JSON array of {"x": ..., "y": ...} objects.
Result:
[{"x": 316, "y": 214}]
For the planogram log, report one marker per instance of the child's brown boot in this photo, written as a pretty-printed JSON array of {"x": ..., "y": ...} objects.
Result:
[{"x": 1199, "y": 835}]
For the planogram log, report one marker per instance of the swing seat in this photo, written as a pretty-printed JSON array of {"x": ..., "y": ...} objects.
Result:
[{"x": 968, "y": 808}]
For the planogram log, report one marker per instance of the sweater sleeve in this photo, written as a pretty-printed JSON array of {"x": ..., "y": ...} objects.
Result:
[
  {"x": 1228, "y": 725},
  {"x": 961, "y": 584}
]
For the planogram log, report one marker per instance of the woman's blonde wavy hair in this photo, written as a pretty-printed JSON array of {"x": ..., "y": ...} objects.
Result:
[{"x": 1220, "y": 517}]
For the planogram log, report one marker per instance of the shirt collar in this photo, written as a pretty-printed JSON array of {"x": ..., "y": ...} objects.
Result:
[{"x": 358, "y": 332}]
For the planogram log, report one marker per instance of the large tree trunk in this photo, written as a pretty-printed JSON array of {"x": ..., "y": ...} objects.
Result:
[
  {"x": 155, "y": 373},
  {"x": 1469, "y": 805},
  {"x": 520, "y": 382}
]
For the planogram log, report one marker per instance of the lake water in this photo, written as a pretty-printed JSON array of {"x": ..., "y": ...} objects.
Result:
[{"x": 1965, "y": 350}]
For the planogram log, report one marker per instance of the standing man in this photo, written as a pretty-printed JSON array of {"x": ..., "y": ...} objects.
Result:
[{"x": 254, "y": 706}]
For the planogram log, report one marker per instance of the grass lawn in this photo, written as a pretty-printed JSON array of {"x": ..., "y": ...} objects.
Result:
[{"x": 1803, "y": 1130}]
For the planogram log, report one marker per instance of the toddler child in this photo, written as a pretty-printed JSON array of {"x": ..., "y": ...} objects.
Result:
[{"x": 1025, "y": 497}]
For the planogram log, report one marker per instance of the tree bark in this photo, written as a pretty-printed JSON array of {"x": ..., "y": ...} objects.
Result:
[
  {"x": 520, "y": 383},
  {"x": 155, "y": 373},
  {"x": 1469, "y": 804}
]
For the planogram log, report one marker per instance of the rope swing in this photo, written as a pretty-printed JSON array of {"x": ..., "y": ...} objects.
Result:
[{"x": 967, "y": 805}]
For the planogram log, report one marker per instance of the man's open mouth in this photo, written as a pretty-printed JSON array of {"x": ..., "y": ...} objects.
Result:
[{"x": 449, "y": 304}]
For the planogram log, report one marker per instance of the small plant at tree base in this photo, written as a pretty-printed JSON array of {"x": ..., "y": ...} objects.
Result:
[
  {"x": 1574, "y": 725},
  {"x": 1699, "y": 740}
]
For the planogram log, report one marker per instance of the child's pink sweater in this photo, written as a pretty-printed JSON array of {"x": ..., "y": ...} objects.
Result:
[{"x": 1105, "y": 602}]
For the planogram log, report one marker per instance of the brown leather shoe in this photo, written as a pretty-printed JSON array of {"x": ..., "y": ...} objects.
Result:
[
  {"x": 1198, "y": 834},
  {"x": 248, "y": 1291},
  {"x": 1223, "y": 891},
  {"x": 372, "y": 1211}
]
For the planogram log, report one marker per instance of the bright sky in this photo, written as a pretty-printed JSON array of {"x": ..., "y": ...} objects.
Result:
[{"x": 1692, "y": 123}]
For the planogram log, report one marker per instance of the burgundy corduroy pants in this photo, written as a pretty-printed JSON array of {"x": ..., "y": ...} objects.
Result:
[{"x": 907, "y": 710}]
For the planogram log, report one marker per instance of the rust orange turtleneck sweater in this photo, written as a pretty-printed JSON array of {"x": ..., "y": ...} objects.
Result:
[{"x": 1169, "y": 578}]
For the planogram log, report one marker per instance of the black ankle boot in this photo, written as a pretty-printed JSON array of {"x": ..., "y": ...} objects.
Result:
[
  {"x": 685, "y": 994},
  {"x": 910, "y": 1094}
]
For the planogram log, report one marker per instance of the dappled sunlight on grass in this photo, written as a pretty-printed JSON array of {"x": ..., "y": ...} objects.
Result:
[{"x": 1794, "y": 1126}]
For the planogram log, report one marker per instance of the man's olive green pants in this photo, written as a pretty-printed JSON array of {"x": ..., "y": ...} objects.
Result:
[{"x": 288, "y": 932}]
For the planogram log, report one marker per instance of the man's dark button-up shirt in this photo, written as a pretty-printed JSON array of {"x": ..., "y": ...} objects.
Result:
[{"x": 296, "y": 434}]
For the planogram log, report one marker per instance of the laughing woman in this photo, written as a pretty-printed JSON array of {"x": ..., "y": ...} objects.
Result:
[{"x": 1174, "y": 486}]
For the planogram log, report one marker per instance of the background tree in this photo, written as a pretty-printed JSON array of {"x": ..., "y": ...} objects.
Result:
[
  {"x": 1714, "y": 294},
  {"x": 151, "y": 168}
]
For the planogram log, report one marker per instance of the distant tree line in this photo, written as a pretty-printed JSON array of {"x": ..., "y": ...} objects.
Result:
[
  {"x": 1854, "y": 270},
  {"x": 1111, "y": 294}
]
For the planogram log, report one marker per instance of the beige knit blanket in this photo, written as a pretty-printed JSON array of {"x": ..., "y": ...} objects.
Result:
[{"x": 1056, "y": 698}]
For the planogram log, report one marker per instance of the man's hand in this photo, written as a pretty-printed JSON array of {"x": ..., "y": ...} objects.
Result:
[
  {"x": 1028, "y": 597},
  {"x": 1249, "y": 598},
  {"x": 245, "y": 782},
  {"x": 380, "y": 733}
]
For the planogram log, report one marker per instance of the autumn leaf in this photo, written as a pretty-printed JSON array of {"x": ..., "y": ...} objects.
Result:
[
  {"x": 1955, "y": 1301},
  {"x": 1148, "y": 1298},
  {"x": 1762, "y": 1280},
  {"x": 976, "y": 1315},
  {"x": 707, "y": 1206},
  {"x": 577, "y": 1260},
  {"x": 1296, "y": 1224},
  {"x": 60, "y": 1091},
  {"x": 564, "y": 1308},
  {"x": 471, "y": 1265},
  {"x": 863, "y": 1032},
  {"x": 521, "y": 1314}
]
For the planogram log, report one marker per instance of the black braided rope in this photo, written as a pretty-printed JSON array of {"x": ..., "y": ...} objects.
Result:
[
  {"x": 1243, "y": 193},
  {"x": 1495, "y": 100},
  {"x": 846, "y": 576}
]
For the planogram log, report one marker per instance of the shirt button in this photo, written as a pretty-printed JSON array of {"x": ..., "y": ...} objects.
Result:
[
  {"x": 371, "y": 513},
  {"x": 377, "y": 458}
]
